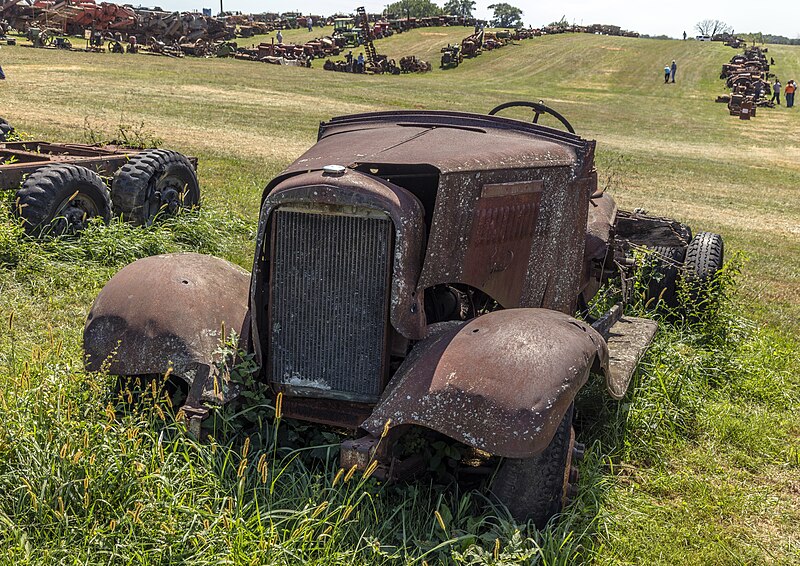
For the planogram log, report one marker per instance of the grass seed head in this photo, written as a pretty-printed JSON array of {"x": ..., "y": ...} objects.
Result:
[
  {"x": 440, "y": 520},
  {"x": 338, "y": 476},
  {"x": 279, "y": 405},
  {"x": 370, "y": 469}
]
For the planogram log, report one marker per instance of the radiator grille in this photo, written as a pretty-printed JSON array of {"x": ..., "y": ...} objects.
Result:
[{"x": 329, "y": 303}]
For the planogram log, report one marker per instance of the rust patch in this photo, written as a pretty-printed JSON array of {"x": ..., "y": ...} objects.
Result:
[{"x": 500, "y": 239}]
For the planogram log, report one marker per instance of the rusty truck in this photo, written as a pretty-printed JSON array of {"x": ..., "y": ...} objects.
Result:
[{"x": 416, "y": 271}]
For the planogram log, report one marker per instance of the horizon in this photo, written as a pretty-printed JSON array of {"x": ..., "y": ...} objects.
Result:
[{"x": 681, "y": 16}]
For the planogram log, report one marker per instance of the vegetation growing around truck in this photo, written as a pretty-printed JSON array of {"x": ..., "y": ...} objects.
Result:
[{"x": 699, "y": 464}]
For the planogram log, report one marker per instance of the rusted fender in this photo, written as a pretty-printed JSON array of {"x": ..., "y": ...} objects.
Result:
[
  {"x": 167, "y": 311},
  {"x": 500, "y": 383}
]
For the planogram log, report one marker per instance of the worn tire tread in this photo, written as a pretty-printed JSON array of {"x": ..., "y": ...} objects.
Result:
[
  {"x": 45, "y": 189},
  {"x": 532, "y": 488},
  {"x": 704, "y": 257},
  {"x": 130, "y": 183}
]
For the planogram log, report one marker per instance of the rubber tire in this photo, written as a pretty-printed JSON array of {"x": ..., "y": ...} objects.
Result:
[
  {"x": 533, "y": 488},
  {"x": 668, "y": 263},
  {"x": 134, "y": 182},
  {"x": 39, "y": 199},
  {"x": 704, "y": 258},
  {"x": 5, "y": 129}
]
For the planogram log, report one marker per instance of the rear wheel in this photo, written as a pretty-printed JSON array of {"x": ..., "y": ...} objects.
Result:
[
  {"x": 539, "y": 487},
  {"x": 663, "y": 284},
  {"x": 154, "y": 182},
  {"x": 61, "y": 199},
  {"x": 704, "y": 258},
  {"x": 5, "y": 129}
]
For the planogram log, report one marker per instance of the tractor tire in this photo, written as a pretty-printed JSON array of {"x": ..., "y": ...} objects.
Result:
[
  {"x": 61, "y": 199},
  {"x": 704, "y": 259},
  {"x": 152, "y": 183},
  {"x": 668, "y": 265},
  {"x": 5, "y": 129},
  {"x": 540, "y": 487}
]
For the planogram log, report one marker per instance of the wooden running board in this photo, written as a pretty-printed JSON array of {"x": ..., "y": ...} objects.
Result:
[{"x": 628, "y": 340}]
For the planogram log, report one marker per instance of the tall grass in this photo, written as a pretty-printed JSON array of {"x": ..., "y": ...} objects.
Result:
[{"x": 91, "y": 476}]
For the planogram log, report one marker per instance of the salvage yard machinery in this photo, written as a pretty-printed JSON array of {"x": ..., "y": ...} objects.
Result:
[
  {"x": 416, "y": 275},
  {"x": 60, "y": 187}
]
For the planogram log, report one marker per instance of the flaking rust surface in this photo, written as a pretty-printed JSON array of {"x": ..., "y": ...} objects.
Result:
[{"x": 627, "y": 342}]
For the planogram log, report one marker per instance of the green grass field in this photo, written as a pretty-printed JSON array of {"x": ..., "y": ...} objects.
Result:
[{"x": 700, "y": 464}]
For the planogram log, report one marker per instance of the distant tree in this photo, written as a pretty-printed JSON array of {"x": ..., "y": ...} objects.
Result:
[
  {"x": 506, "y": 15},
  {"x": 413, "y": 8},
  {"x": 712, "y": 27},
  {"x": 459, "y": 8}
]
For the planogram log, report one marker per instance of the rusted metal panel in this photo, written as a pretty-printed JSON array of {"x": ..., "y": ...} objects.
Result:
[
  {"x": 628, "y": 340},
  {"x": 332, "y": 412},
  {"x": 166, "y": 311},
  {"x": 552, "y": 254},
  {"x": 500, "y": 238},
  {"x": 602, "y": 217},
  {"x": 484, "y": 143},
  {"x": 500, "y": 383}
]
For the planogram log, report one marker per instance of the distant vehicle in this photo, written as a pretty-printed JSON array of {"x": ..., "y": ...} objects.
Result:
[{"x": 703, "y": 38}]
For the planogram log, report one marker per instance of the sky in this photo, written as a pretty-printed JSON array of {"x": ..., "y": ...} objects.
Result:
[{"x": 670, "y": 18}]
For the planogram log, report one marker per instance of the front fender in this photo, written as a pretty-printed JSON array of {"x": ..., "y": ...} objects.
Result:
[
  {"x": 167, "y": 312},
  {"x": 500, "y": 383}
]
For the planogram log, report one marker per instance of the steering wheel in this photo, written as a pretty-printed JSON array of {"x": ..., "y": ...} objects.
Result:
[{"x": 538, "y": 109}]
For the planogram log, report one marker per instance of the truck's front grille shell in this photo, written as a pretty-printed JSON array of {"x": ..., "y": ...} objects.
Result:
[{"x": 329, "y": 303}]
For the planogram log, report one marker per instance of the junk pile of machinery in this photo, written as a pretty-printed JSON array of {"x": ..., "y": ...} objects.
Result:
[
  {"x": 359, "y": 32},
  {"x": 747, "y": 75},
  {"x": 292, "y": 54},
  {"x": 482, "y": 40},
  {"x": 596, "y": 29}
]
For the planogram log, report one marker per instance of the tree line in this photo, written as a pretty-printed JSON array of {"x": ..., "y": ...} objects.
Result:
[{"x": 505, "y": 15}]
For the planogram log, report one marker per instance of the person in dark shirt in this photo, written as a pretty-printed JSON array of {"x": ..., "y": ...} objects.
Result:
[
  {"x": 776, "y": 92},
  {"x": 672, "y": 70}
]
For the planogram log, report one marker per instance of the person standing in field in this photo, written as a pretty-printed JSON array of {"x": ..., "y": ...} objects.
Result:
[
  {"x": 279, "y": 37},
  {"x": 310, "y": 22},
  {"x": 666, "y": 74},
  {"x": 776, "y": 92},
  {"x": 788, "y": 92},
  {"x": 2, "y": 74},
  {"x": 672, "y": 70}
]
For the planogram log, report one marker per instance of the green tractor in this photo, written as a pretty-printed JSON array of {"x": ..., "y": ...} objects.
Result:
[{"x": 345, "y": 33}]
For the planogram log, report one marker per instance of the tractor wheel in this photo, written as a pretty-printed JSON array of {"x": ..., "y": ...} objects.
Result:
[
  {"x": 61, "y": 199},
  {"x": 5, "y": 129},
  {"x": 704, "y": 259},
  {"x": 153, "y": 182},
  {"x": 667, "y": 266},
  {"x": 539, "y": 487}
]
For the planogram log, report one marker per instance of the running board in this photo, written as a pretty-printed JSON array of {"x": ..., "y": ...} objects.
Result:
[{"x": 628, "y": 340}]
